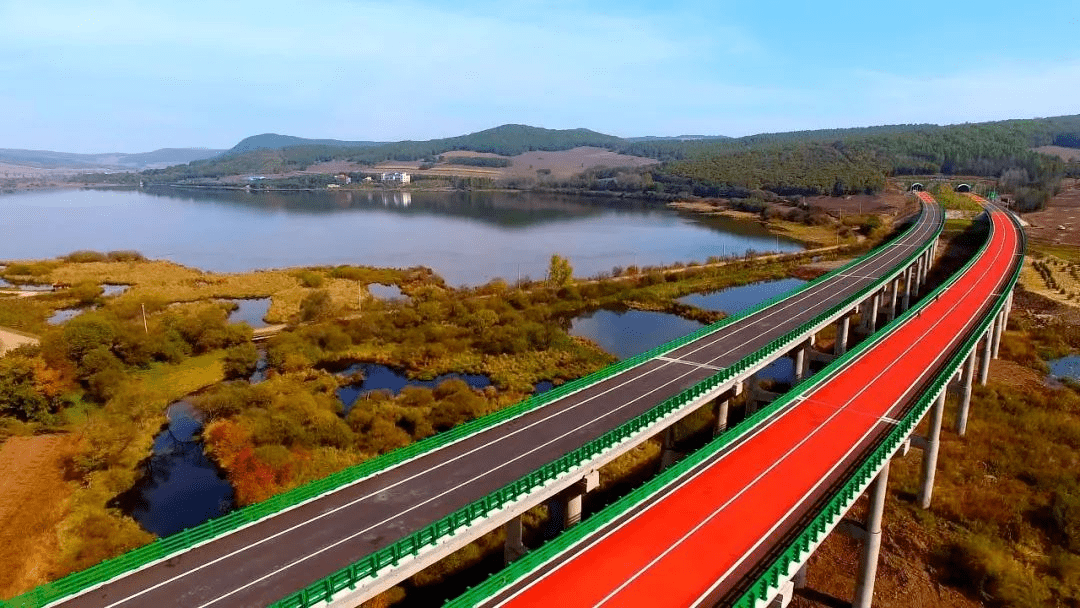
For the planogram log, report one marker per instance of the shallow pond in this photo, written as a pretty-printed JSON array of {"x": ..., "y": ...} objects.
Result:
[
  {"x": 625, "y": 334},
  {"x": 182, "y": 487},
  {"x": 114, "y": 289},
  {"x": 385, "y": 292},
  {"x": 1065, "y": 367},
  {"x": 734, "y": 299},
  {"x": 381, "y": 377},
  {"x": 64, "y": 314},
  {"x": 250, "y": 311}
]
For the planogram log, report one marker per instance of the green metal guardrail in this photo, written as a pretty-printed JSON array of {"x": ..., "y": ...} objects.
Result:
[
  {"x": 770, "y": 579},
  {"x": 369, "y": 566},
  {"x": 186, "y": 539}
]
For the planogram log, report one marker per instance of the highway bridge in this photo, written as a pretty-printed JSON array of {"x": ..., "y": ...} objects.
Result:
[
  {"x": 735, "y": 524},
  {"x": 361, "y": 531}
]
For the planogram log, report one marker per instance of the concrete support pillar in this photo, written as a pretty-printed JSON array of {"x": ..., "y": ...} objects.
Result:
[
  {"x": 573, "y": 510},
  {"x": 874, "y": 305},
  {"x": 894, "y": 287},
  {"x": 571, "y": 498},
  {"x": 965, "y": 394},
  {"x": 868, "y": 559},
  {"x": 723, "y": 403},
  {"x": 931, "y": 446},
  {"x": 907, "y": 287},
  {"x": 800, "y": 577},
  {"x": 842, "y": 329},
  {"x": 984, "y": 363},
  {"x": 999, "y": 325},
  {"x": 668, "y": 455},
  {"x": 513, "y": 547},
  {"x": 918, "y": 275},
  {"x": 802, "y": 361}
]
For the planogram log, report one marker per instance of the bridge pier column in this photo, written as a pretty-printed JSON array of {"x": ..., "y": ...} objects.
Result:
[
  {"x": 802, "y": 360},
  {"x": 965, "y": 394},
  {"x": 571, "y": 497},
  {"x": 907, "y": 287},
  {"x": 723, "y": 402},
  {"x": 984, "y": 359},
  {"x": 668, "y": 455},
  {"x": 513, "y": 547},
  {"x": 871, "y": 324},
  {"x": 920, "y": 279},
  {"x": 931, "y": 444},
  {"x": 999, "y": 328},
  {"x": 868, "y": 559},
  {"x": 894, "y": 287},
  {"x": 843, "y": 327}
]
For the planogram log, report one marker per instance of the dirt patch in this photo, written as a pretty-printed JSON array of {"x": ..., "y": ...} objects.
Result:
[
  {"x": 10, "y": 340},
  {"x": 1059, "y": 223},
  {"x": 1014, "y": 375},
  {"x": 886, "y": 203},
  {"x": 562, "y": 164},
  {"x": 1063, "y": 153},
  {"x": 905, "y": 579},
  {"x": 33, "y": 499}
]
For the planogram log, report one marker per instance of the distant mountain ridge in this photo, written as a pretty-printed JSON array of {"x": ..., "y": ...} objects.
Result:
[
  {"x": 273, "y": 141},
  {"x": 47, "y": 159}
]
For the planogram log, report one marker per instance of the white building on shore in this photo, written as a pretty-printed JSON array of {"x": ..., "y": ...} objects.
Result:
[{"x": 398, "y": 178}]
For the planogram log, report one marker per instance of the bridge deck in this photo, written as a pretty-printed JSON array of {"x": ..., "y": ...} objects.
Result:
[
  {"x": 281, "y": 554},
  {"x": 703, "y": 538}
]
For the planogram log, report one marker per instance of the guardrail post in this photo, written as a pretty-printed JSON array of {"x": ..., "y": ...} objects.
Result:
[
  {"x": 965, "y": 394},
  {"x": 513, "y": 547},
  {"x": 868, "y": 560},
  {"x": 930, "y": 453}
]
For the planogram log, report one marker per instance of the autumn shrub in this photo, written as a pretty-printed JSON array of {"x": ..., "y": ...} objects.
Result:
[
  {"x": 126, "y": 255},
  {"x": 240, "y": 361},
  {"x": 310, "y": 278},
  {"x": 84, "y": 256}
]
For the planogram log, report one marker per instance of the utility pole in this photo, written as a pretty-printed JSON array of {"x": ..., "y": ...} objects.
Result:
[{"x": 144, "y": 326}]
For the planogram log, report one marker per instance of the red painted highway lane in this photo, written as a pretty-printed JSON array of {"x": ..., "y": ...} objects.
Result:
[{"x": 681, "y": 548}]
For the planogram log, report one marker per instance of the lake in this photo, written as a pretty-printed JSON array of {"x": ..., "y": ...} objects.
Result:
[{"x": 467, "y": 237}]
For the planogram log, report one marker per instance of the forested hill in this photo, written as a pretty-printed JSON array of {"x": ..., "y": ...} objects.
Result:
[
  {"x": 836, "y": 161},
  {"x": 842, "y": 161},
  {"x": 293, "y": 153},
  {"x": 273, "y": 141}
]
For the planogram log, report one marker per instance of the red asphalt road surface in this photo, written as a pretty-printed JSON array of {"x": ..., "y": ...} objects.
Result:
[{"x": 681, "y": 548}]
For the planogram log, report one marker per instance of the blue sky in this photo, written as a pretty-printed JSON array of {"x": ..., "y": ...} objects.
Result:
[{"x": 135, "y": 76}]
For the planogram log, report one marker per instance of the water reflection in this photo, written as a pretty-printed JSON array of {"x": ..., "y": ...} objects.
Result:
[
  {"x": 250, "y": 311},
  {"x": 114, "y": 289},
  {"x": 625, "y": 334},
  {"x": 467, "y": 237},
  {"x": 385, "y": 292},
  {"x": 181, "y": 487},
  {"x": 64, "y": 314},
  {"x": 380, "y": 377},
  {"x": 734, "y": 299},
  {"x": 1065, "y": 367}
]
